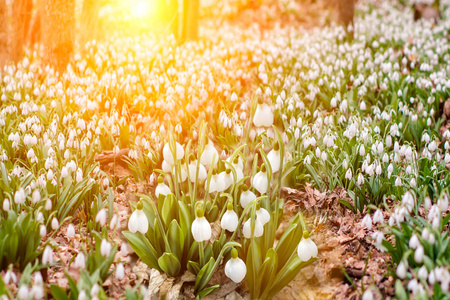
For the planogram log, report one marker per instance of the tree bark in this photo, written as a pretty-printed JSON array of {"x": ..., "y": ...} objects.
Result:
[
  {"x": 89, "y": 21},
  {"x": 21, "y": 24},
  {"x": 346, "y": 9},
  {"x": 4, "y": 53},
  {"x": 58, "y": 32},
  {"x": 190, "y": 20}
]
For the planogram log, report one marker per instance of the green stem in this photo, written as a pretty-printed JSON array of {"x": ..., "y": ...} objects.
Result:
[{"x": 201, "y": 253}]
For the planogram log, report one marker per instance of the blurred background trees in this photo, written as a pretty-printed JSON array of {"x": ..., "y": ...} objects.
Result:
[{"x": 62, "y": 27}]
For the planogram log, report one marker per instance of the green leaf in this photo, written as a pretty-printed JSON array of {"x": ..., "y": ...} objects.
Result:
[
  {"x": 208, "y": 291},
  {"x": 253, "y": 263},
  {"x": 400, "y": 291},
  {"x": 202, "y": 277},
  {"x": 169, "y": 263},
  {"x": 176, "y": 239},
  {"x": 193, "y": 267},
  {"x": 143, "y": 249},
  {"x": 58, "y": 292},
  {"x": 267, "y": 272}
]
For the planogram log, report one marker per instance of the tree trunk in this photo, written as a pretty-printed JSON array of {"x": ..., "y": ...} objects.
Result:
[
  {"x": 346, "y": 10},
  {"x": 89, "y": 21},
  {"x": 21, "y": 24},
  {"x": 173, "y": 17},
  {"x": 3, "y": 34},
  {"x": 58, "y": 32},
  {"x": 190, "y": 20}
]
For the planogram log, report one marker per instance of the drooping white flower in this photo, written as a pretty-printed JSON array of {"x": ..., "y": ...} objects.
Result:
[
  {"x": 201, "y": 229},
  {"x": 70, "y": 231},
  {"x": 263, "y": 115},
  {"x": 418, "y": 254},
  {"x": 47, "y": 256},
  {"x": 401, "y": 269},
  {"x": 120, "y": 272},
  {"x": 367, "y": 222},
  {"x": 274, "y": 158},
  {"x": 210, "y": 155},
  {"x": 162, "y": 188},
  {"x": 229, "y": 219},
  {"x": 19, "y": 196},
  {"x": 262, "y": 214},
  {"x": 169, "y": 155},
  {"x": 55, "y": 223},
  {"x": 247, "y": 230},
  {"x": 348, "y": 174},
  {"x": 423, "y": 273},
  {"x": 23, "y": 292},
  {"x": 105, "y": 248},
  {"x": 80, "y": 261},
  {"x": 79, "y": 175},
  {"x": 202, "y": 174},
  {"x": 260, "y": 181},
  {"x": 10, "y": 277},
  {"x": 235, "y": 268},
  {"x": 378, "y": 217},
  {"x": 101, "y": 217},
  {"x": 138, "y": 220},
  {"x": 247, "y": 196},
  {"x": 307, "y": 249},
  {"x": 226, "y": 178},
  {"x": 6, "y": 204},
  {"x": 414, "y": 242},
  {"x": 42, "y": 230}
]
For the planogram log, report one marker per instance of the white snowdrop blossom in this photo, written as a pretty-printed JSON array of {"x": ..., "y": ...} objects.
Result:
[
  {"x": 229, "y": 219},
  {"x": 201, "y": 229},
  {"x": 307, "y": 249},
  {"x": 263, "y": 115},
  {"x": 235, "y": 268},
  {"x": 138, "y": 220}
]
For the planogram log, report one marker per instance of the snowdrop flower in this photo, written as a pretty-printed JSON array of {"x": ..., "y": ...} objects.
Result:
[
  {"x": 162, "y": 188},
  {"x": 263, "y": 115},
  {"x": 105, "y": 248},
  {"x": 306, "y": 249},
  {"x": 64, "y": 172},
  {"x": 138, "y": 220},
  {"x": 55, "y": 223},
  {"x": 169, "y": 156},
  {"x": 362, "y": 150},
  {"x": 414, "y": 242},
  {"x": 36, "y": 196},
  {"x": 262, "y": 214},
  {"x": 114, "y": 221},
  {"x": 408, "y": 201},
  {"x": 225, "y": 179},
  {"x": 367, "y": 222},
  {"x": 23, "y": 292},
  {"x": 235, "y": 268},
  {"x": 201, "y": 229},
  {"x": 368, "y": 295},
  {"x": 401, "y": 269},
  {"x": 6, "y": 204},
  {"x": 360, "y": 179},
  {"x": 47, "y": 256},
  {"x": 101, "y": 217},
  {"x": 80, "y": 261},
  {"x": 210, "y": 155},
  {"x": 19, "y": 196},
  {"x": 95, "y": 290},
  {"x": 348, "y": 174},
  {"x": 10, "y": 277},
  {"x": 274, "y": 158},
  {"x": 70, "y": 231},
  {"x": 202, "y": 174},
  {"x": 79, "y": 175},
  {"x": 423, "y": 273},
  {"x": 37, "y": 291},
  {"x": 258, "y": 229},
  {"x": 398, "y": 181},
  {"x": 43, "y": 230},
  {"x": 378, "y": 217},
  {"x": 418, "y": 254},
  {"x": 120, "y": 272},
  {"x": 229, "y": 219},
  {"x": 260, "y": 181},
  {"x": 443, "y": 203},
  {"x": 247, "y": 196}
]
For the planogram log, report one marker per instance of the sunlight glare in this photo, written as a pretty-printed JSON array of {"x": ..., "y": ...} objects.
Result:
[{"x": 142, "y": 8}]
